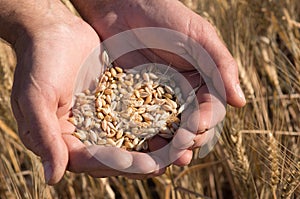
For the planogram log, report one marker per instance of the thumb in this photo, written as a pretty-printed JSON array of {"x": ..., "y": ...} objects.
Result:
[{"x": 40, "y": 132}]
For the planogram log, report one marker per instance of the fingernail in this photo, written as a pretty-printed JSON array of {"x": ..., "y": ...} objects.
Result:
[
  {"x": 47, "y": 171},
  {"x": 240, "y": 92}
]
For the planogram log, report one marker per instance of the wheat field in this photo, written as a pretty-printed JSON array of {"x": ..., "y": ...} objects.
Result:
[{"x": 258, "y": 154}]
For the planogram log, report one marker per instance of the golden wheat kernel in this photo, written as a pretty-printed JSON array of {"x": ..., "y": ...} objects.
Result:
[
  {"x": 108, "y": 118},
  {"x": 108, "y": 99},
  {"x": 113, "y": 72},
  {"x": 98, "y": 103},
  {"x": 104, "y": 125},
  {"x": 102, "y": 134},
  {"x": 103, "y": 102},
  {"x": 93, "y": 136},
  {"x": 169, "y": 90},
  {"x": 101, "y": 141},
  {"x": 146, "y": 77},
  {"x": 110, "y": 142},
  {"x": 119, "y": 134},
  {"x": 111, "y": 133},
  {"x": 137, "y": 76},
  {"x": 137, "y": 93},
  {"x": 130, "y": 135},
  {"x": 107, "y": 73},
  {"x": 135, "y": 141},
  {"x": 87, "y": 122},
  {"x": 168, "y": 95},
  {"x": 80, "y": 135},
  {"x": 141, "y": 110},
  {"x": 128, "y": 83},
  {"x": 148, "y": 99},
  {"x": 119, "y": 142},
  {"x": 113, "y": 86},
  {"x": 107, "y": 91},
  {"x": 138, "y": 118},
  {"x": 153, "y": 76},
  {"x": 73, "y": 120},
  {"x": 171, "y": 103},
  {"x": 144, "y": 94},
  {"x": 118, "y": 69},
  {"x": 148, "y": 90},
  {"x": 129, "y": 145},
  {"x": 167, "y": 107}
]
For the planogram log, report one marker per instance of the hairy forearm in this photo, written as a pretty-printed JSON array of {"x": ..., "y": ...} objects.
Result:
[{"x": 29, "y": 16}]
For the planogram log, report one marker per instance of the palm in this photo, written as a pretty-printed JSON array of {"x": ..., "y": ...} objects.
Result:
[
  {"x": 42, "y": 93},
  {"x": 131, "y": 15}
]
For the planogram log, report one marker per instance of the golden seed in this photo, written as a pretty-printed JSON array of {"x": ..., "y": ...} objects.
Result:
[
  {"x": 129, "y": 145},
  {"x": 108, "y": 99},
  {"x": 104, "y": 125},
  {"x": 128, "y": 83},
  {"x": 118, "y": 69},
  {"x": 167, "y": 107},
  {"x": 101, "y": 141},
  {"x": 111, "y": 142},
  {"x": 80, "y": 135},
  {"x": 171, "y": 103},
  {"x": 111, "y": 133},
  {"x": 108, "y": 92},
  {"x": 73, "y": 120},
  {"x": 137, "y": 93},
  {"x": 135, "y": 141},
  {"x": 113, "y": 86},
  {"x": 103, "y": 102},
  {"x": 168, "y": 95},
  {"x": 169, "y": 89},
  {"x": 119, "y": 143},
  {"x": 144, "y": 94},
  {"x": 148, "y": 99},
  {"x": 102, "y": 134},
  {"x": 113, "y": 72},
  {"x": 146, "y": 77},
  {"x": 108, "y": 118},
  {"x": 107, "y": 73},
  {"x": 153, "y": 76},
  {"x": 98, "y": 103},
  {"x": 119, "y": 134},
  {"x": 141, "y": 110},
  {"x": 100, "y": 116}
]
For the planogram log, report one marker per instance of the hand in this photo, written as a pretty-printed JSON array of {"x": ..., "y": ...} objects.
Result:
[
  {"x": 112, "y": 17},
  {"x": 49, "y": 57}
]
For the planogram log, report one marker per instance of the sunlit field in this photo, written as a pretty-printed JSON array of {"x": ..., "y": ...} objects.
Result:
[{"x": 258, "y": 153}]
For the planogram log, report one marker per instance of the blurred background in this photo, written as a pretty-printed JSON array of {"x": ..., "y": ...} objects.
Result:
[{"x": 258, "y": 154}]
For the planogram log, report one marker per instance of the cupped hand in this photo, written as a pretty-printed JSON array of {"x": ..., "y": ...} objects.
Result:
[
  {"x": 48, "y": 61},
  {"x": 112, "y": 17}
]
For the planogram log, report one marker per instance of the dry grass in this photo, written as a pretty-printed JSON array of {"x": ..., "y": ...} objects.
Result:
[{"x": 258, "y": 155}]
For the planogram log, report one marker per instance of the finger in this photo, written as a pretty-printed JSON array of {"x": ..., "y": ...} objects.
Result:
[
  {"x": 207, "y": 114},
  {"x": 203, "y": 138},
  {"x": 181, "y": 142},
  {"x": 211, "y": 55},
  {"x": 226, "y": 73},
  {"x": 159, "y": 148},
  {"x": 95, "y": 158},
  {"x": 40, "y": 131},
  {"x": 99, "y": 158},
  {"x": 184, "y": 159}
]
